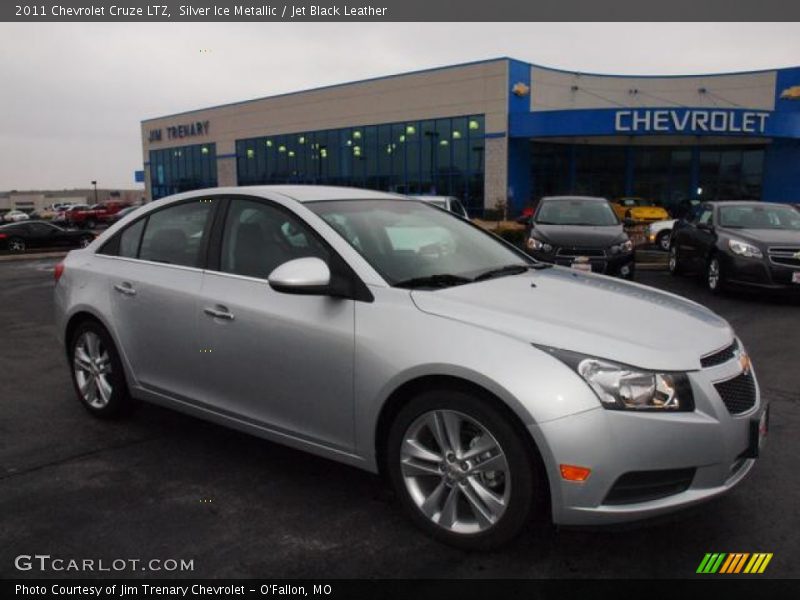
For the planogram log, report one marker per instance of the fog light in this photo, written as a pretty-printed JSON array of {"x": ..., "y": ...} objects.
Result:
[{"x": 575, "y": 473}]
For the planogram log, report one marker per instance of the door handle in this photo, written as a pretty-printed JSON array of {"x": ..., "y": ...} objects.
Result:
[
  {"x": 219, "y": 313},
  {"x": 125, "y": 288}
]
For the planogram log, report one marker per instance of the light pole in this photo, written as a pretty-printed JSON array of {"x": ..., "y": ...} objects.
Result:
[{"x": 94, "y": 183}]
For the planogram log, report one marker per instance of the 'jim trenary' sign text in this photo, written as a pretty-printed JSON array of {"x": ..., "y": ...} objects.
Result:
[
  {"x": 176, "y": 132},
  {"x": 690, "y": 121}
]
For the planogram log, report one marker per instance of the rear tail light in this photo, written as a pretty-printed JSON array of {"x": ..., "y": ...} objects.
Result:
[
  {"x": 3, "y": 236},
  {"x": 58, "y": 271}
]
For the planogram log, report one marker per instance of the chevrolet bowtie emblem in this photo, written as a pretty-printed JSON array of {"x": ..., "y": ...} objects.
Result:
[
  {"x": 520, "y": 89},
  {"x": 791, "y": 93}
]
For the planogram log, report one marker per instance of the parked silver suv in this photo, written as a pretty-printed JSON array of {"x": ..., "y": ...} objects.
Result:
[{"x": 379, "y": 331}]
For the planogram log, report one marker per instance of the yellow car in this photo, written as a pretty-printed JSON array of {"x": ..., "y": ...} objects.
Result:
[{"x": 639, "y": 209}]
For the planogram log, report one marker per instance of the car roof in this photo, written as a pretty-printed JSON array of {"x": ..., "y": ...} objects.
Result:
[
  {"x": 742, "y": 203},
  {"x": 592, "y": 198},
  {"x": 303, "y": 193}
]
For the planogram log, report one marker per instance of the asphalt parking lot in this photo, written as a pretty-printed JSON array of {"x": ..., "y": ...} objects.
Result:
[{"x": 164, "y": 485}]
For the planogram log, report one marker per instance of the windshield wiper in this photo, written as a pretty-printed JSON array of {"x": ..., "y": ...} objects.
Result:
[
  {"x": 436, "y": 281},
  {"x": 514, "y": 269}
]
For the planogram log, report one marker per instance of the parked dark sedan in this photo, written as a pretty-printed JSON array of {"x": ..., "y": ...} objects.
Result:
[
  {"x": 580, "y": 232},
  {"x": 18, "y": 237},
  {"x": 740, "y": 243}
]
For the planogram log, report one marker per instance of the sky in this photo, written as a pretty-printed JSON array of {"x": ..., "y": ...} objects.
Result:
[{"x": 72, "y": 95}]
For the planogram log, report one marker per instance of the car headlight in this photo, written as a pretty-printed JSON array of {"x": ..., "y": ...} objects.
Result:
[
  {"x": 536, "y": 244},
  {"x": 744, "y": 249},
  {"x": 621, "y": 387},
  {"x": 623, "y": 248}
]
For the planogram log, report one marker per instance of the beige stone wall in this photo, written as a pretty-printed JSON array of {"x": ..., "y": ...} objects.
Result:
[
  {"x": 553, "y": 90},
  {"x": 470, "y": 89},
  {"x": 496, "y": 178}
]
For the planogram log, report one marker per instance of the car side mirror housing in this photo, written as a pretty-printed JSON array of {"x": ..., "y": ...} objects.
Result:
[{"x": 309, "y": 276}]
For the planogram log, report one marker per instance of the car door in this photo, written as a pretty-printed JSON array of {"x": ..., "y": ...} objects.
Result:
[
  {"x": 700, "y": 235},
  {"x": 154, "y": 283},
  {"x": 42, "y": 235},
  {"x": 275, "y": 359}
]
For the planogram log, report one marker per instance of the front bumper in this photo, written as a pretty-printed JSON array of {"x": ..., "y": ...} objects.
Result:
[
  {"x": 758, "y": 273},
  {"x": 709, "y": 442},
  {"x": 620, "y": 265}
]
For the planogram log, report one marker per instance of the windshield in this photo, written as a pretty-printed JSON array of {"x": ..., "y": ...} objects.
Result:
[
  {"x": 576, "y": 212},
  {"x": 406, "y": 240},
  {"x": 759, "y": 217}
]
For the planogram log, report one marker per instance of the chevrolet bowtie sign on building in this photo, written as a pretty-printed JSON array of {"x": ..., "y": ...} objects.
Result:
[{"x": 500, "y": 129}]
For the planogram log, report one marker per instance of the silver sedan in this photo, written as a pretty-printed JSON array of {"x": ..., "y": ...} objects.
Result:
[{"x": 379, "y": 331}]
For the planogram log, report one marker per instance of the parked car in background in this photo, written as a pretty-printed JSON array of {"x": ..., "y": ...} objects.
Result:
[
  {"x": 582, "y": 232},
  {"x": 15, "y": 215},
  {"x": 122, "y": 213},
  {"x": 62, "y": 218},
  {"x": 659, "y": 232},
  {"x": 574, "y": 409},
  {"x": 748, "y": 243},
  {"x": 451, "y": 203},
  {"x": 639, "y": 210},
  {"x": 94, "y": 215},
  {"x": 27, "y": 235}
]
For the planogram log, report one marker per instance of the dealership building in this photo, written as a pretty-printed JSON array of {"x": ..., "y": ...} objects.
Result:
[{"x": 499, "y": 131}]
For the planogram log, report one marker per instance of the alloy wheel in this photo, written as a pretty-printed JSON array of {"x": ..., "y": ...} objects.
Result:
[
  {"x": 663, "y": 241},
  {"x": 673, "y": 259},
  {"x": 92, "y": 366},
  {"x": 455, "y": 471},
  {"x": 16, "y": 246},
  {"x": 713, "y": 274}
]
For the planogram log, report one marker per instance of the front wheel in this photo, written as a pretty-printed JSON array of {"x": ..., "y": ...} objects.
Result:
[
  {"x": 461, "y": 470},
  {"x": 715, "y": 281}
]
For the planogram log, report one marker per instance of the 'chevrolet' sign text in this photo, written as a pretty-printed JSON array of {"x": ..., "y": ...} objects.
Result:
[{"x": 690, "y": 121}]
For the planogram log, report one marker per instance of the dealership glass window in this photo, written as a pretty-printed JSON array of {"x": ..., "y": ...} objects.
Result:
[
  {"x": 732, "y": 173},
  {"x": 184, "y": 168},
  {"x": 434, "y": 156},
  {"x": 600, "y": 171}
]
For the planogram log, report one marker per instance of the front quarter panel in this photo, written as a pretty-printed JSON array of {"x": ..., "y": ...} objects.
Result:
[{"x": 397, "y": 343}]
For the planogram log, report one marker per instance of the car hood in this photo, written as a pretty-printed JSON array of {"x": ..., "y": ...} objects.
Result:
[
  {"x": 587, "y": 313},
  {"x": 772, "y": 237},
  {"x": 579, "y": 235}
]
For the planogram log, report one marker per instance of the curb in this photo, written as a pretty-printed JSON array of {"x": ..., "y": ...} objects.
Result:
[{"x": 34, "y": 256}]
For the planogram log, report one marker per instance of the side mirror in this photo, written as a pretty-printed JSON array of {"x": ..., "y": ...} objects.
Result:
[
  {"x": 310, "y": 276},
  {"x": 628, "y": 222}
]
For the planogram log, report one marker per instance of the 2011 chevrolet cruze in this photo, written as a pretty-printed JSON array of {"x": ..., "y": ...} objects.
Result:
[{"x": 379, "y": 331}]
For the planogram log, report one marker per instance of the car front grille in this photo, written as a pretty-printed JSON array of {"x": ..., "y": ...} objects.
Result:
[
  {"x": 738, "y": 394},
  {"x": 579, "y": 251},
  {"x": 720, "y": 356},
  {"x": 786, "y": 256},
  {"x": 643, "y": 486}
]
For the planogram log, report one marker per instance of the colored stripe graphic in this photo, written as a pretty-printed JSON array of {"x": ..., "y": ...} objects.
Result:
[
  {"x": 734, "y": 563},
  {"x": 711, "y": 562},
  {"x": 758, "y": 563}
]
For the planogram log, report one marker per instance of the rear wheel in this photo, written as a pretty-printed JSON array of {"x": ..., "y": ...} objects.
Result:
[
  {"x": 85, "y": 241},
  {"x": 674, "y": 261},
  {"x": 16, "y": 245},
  {"x": 662, "y": 241},
  {"x": 462, "y": 471},
  {"x": 97, "y": 372}
]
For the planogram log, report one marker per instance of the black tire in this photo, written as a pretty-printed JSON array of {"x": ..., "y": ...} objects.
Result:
[
  {"x": 674, "y": 260},
  {"x": 714, "y": 284},
  {"x": 662, "y": 240},
  {"x": 119, "y": 403},
  {"x": 528, "y": 490},
  {"x": 16, "y": 244},
  {"x": 90, "y": 224}
]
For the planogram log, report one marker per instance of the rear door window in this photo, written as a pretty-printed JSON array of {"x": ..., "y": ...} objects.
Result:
[{"x": 175, "y": 235}]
